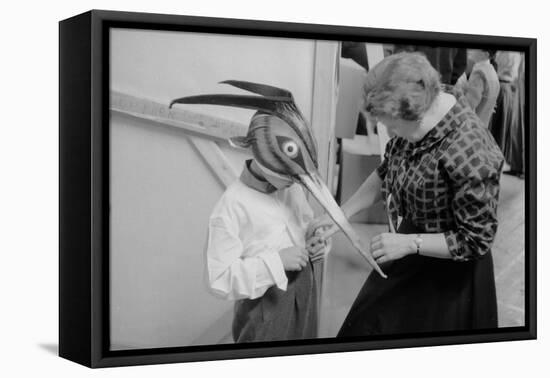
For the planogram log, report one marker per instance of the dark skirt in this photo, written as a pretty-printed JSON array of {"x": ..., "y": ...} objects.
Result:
[
  {"x": 424, "y": 294},
  {"x": 278, "y": 314}
]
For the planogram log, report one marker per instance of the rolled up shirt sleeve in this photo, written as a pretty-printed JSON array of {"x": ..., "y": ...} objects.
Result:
[
  {"x": 232, "y": 276},
  {"x": 475, "y": 175}
]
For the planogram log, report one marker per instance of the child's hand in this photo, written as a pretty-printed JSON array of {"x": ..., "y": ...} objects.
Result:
[
  {"x": 293, "y": 258},
  {"x": 317, "y": 246}
]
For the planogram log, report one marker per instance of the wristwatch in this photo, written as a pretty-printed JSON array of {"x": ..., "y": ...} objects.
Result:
[{"x": 418, "y": 242}]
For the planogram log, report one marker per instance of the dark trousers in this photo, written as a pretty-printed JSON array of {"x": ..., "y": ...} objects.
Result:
[{"x": 278, "y": 314}]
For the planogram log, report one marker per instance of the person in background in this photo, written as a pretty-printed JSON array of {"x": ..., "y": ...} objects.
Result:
[
  {"x": 520, "y": 133},
  {"x": 356, "y": 51},
  {"x": 257, "y": 255},
  {"x": 440, "y": 182},
  {"x": 482, "y": 88},
  {"x": 507, "y": 124}
]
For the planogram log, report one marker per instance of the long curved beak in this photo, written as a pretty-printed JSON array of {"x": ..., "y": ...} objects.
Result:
[{"x": 314, "y": 184}]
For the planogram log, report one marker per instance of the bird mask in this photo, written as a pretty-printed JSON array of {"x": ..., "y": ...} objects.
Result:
[{"x": 281, "y": 141}]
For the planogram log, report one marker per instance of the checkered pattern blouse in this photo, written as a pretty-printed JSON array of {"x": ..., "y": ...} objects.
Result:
[{"x": 448, "y": 182}]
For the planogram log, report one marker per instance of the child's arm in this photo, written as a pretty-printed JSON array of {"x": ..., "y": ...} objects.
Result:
[{"x": 231, "y": 276}]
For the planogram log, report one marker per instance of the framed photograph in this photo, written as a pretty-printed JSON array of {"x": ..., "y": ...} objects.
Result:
[{"x": 234, "y": 188}]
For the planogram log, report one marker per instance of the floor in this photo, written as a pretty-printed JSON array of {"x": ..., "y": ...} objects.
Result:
[{"x": 346, "y": 271}]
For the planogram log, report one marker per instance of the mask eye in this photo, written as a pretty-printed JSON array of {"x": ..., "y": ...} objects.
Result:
[{"x": 290, "y": 149}]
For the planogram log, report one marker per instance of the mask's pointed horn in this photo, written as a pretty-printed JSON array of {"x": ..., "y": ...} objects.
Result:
[
  {"x": 266, "y": 104},
  {"x": 261, "y": 89}
]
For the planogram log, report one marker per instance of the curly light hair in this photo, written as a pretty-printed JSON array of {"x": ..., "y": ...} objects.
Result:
[{"x": 402, "y": 86}]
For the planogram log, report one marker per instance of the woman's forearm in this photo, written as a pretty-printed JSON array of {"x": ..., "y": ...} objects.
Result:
[
  {"x": 432, "y": 245},
  {"x": 367, "y": 195},
  {"x": 394, "y": 246}
]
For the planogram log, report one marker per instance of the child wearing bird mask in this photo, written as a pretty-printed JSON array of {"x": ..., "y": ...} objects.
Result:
[
  {"x": 260, "y": 248},
  {"x": 258, "y": 255}
]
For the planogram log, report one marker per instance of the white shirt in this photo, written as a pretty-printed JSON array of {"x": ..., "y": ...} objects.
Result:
[{"x": 247, "y": 229}]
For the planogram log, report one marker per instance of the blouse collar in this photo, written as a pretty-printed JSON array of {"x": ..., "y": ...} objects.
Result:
[
  {"x": 255, "y": 181},
  {"x": 452, "y": 119}
]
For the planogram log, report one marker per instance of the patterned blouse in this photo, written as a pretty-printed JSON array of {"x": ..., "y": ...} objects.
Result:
[{"x": 448, "y": 182}]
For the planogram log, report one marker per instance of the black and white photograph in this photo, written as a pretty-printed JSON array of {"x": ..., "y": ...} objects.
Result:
[
  {"x": 268, "y": 189},
  {"x": 274, "y": 189}
]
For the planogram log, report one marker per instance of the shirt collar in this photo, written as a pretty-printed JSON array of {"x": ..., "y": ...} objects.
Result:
[{"x": 254, "y": 181}]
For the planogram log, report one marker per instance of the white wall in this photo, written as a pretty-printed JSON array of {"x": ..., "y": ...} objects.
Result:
[
  {"x": 161, "y": 190},
  {"x": 165, "y": 65}
]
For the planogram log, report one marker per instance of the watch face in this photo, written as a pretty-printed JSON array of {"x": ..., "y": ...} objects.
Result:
[{"x": 418, "y": 242}]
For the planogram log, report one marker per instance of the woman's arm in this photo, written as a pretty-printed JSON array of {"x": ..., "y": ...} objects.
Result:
[
  {"x": 475, "y": 184},
  {"x": 367, "y": 195},
  {"x": 476, "y": 188},
  {"x": 370, "y": 191},
  {"x": 434, "y": 245},
  {"x": 391, "y": 246}
]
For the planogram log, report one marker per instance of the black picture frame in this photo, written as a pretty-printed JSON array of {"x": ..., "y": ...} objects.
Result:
[{"x": 84, "y": 187}]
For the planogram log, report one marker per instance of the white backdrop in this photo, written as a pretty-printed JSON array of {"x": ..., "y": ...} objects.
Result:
[
  {"x": 158, "y": 220},
  {"x": 29, "y": 190}
]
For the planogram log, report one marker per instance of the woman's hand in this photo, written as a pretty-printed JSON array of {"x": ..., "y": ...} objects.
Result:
[
  {"x": 318, "y": 237},
  {"x": 294, "y": 258},
  {"x": 323, "y": 223},
  {"x": 390, "y": 246}
]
